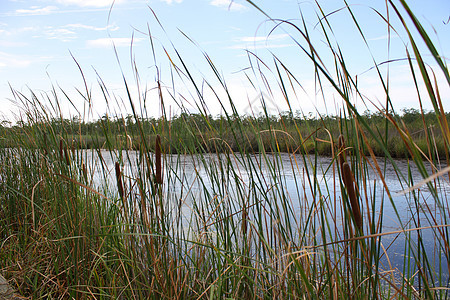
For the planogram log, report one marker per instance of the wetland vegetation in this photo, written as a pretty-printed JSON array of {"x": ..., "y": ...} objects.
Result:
[
  {"x": 290, "y": 130},
  {"x": 112, "y": 209}
]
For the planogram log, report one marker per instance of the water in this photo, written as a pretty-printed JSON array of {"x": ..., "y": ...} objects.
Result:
[{"x": 197, "y": 181}]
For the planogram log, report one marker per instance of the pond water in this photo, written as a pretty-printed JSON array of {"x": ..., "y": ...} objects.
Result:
[{"x": 300, "y": 181}]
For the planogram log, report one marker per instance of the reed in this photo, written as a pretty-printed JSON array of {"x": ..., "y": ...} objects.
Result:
[{"x": 264, "y": 217}]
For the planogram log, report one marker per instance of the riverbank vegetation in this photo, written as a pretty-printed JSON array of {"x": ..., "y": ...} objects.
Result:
[
  {"x": 201, "y": 207},
  {"x": 290, "y": 130}
]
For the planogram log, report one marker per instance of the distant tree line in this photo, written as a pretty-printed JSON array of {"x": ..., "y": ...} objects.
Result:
[{"x": 198, "y": 132}]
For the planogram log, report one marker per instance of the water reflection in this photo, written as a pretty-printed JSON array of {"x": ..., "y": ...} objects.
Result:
[{"x": 222, "y": 183}]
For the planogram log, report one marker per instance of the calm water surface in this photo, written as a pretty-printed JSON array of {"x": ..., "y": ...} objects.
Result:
[{"x": 300, "y": 180}]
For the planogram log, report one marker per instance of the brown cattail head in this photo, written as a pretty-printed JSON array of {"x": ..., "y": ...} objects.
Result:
[
  {"x": 244, "y": 221},
  {"x": 66, "y": 155},
  {"x": 83, "y": 168},
  {"x": 158, "y": 166},
  {"x": 119, "y": 179},
  {"x": 349, "y": 180},
  {"x": 61, "y": 144}
]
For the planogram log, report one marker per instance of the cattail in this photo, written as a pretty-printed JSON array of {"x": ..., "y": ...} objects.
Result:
[
  {"x": 61, "y": 149},
  {"x": 158, "y": 165},
  {"x": 244, "y": 221},
  {"x": 119, "y": 180},
  {"x": 83, "y": 168},
  {"x": 72, "y": 148},
  {"x": 348, "y": 178},
  {"x": 66, "y": 155}
]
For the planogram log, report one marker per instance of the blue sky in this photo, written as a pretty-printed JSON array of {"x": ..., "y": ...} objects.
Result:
[{"x": 38, "y": 39}]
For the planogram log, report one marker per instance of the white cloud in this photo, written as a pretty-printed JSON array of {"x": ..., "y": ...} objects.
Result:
[
  {"x": 261, "y": 46},
  {"x": 12, "y": 61},
  {"x": 27, "y": 29},
  {"x": 172, "y": 1},
  {"x": 108, "y": 42},
  {"x": 61, "y": 34},
  {"x": 235, "y": 28},
  {"x": 89, "y": 27},
  {"x": 65, "y": 33},
  {"x": 14, "y": 32},
  {"x": 383, "y": 37},
  {"x": 12, "y": 44},
  {"x": 272, "y": 37},
  {"x": 228, "y": 4},
  {"x": 262, "y": 42},
  {"x": 36, "y": 10},
  {"x": 91, "y": 3},
  {"x": 86, "y": 5}
]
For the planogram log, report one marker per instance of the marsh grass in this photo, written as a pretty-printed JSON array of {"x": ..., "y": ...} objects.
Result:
[{"x": 113, "y": 222}]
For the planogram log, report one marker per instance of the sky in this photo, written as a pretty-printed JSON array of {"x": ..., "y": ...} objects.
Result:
[{"x": 67, "y": 45}]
